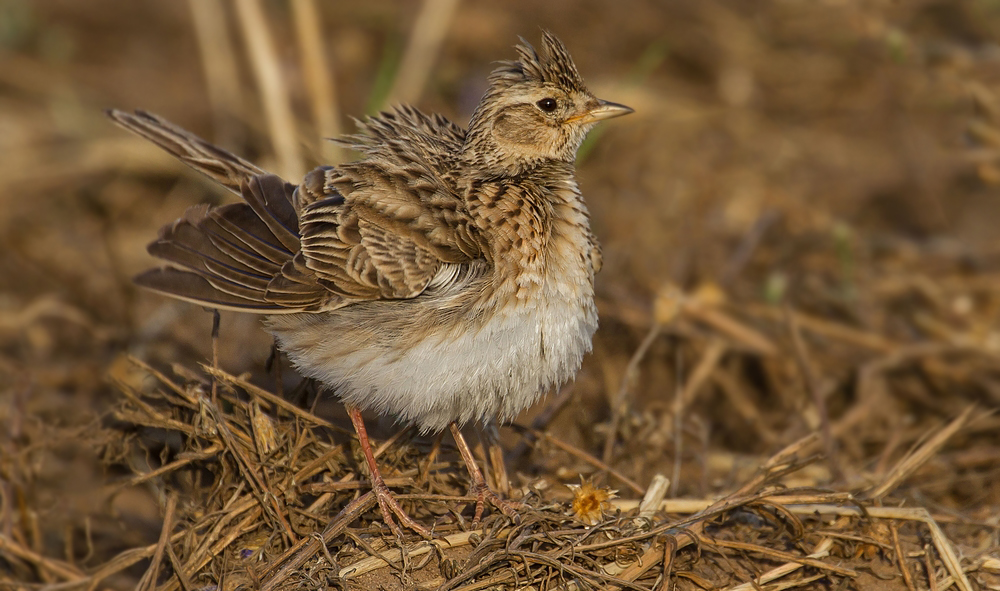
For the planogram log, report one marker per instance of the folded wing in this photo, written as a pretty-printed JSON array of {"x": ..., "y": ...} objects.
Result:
[{"x": 380, "y": 228}]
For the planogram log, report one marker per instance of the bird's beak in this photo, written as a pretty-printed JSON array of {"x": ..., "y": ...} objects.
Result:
[{"x": 603, "y": 110}]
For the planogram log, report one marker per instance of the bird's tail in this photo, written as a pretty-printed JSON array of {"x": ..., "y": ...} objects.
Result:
[
  {"x": 229, "y": 256},
  {"x": 222, "y": 166}
]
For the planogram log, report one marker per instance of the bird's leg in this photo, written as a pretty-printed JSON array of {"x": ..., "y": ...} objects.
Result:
[
  {"x": 386, "y": 502},
  {"x": 482, "y": 491},
  {"x": 216, "y": 321}
]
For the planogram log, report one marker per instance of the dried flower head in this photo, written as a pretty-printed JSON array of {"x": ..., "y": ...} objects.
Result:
[{"x": 590, "y": 502}]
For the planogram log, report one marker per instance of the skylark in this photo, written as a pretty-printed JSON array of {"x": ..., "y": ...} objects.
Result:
[{"x": 444, "y": 278}]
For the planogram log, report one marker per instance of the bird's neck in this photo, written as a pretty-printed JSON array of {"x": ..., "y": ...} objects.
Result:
[
  {"x": 486, "y": 157},
  {"x": 486, "y": 160}
]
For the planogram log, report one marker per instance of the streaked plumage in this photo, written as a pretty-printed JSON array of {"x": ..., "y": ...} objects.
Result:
[{"x": 445, "y": 276}]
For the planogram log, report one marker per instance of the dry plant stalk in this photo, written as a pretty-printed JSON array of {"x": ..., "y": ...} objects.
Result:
[
  {"x": 260, "y": 489},
  {"x": 218, "y": 59},
  {"x": 319, "y": 79},
  {"x": 272, "y": 87},
  {"x": 426, "y": 36}
]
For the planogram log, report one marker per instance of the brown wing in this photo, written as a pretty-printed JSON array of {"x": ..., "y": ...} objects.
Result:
[
  {"x": 389, "y": 234},
  {"x": 238, "y": 256},
  {"x": 376, "y": 229}
]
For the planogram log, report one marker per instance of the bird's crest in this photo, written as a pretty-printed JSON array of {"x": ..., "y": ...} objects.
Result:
[{"x": 553, "y": 65}]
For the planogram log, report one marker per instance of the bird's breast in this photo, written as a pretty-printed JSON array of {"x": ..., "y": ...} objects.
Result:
[{"x": 479, "y": 345}]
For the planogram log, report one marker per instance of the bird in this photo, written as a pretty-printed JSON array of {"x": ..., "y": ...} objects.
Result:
[{"x": 443, "y": 278}]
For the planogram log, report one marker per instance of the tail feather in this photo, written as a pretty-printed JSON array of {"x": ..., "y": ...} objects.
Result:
[
  {"x": 209, "y": 264},
  {"x": 234, "y": 253},
  {"x": 196, "y": 289},
  {"x": 233, "y": 256},
  {"x": 254, "y": 254},
  {"x": 191, "y": 244},
  {"x": 220, "y": 165},
  {"x": 192, "y": 241},
  {"x": 239, "y": 230},
  {"x": 271, "y": 199}
]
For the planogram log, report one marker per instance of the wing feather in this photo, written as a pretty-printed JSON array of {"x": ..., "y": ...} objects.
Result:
[{"x": 383, "y": 227}]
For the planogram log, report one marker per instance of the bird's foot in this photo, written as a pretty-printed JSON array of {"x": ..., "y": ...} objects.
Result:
[
  {"x": 390, "y": 506},
  {"x": 484, "y": 494},
  {"x": 479, "y": 488}
]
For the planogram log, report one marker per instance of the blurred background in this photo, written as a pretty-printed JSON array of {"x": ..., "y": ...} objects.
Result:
[{"x": 799, "y": 222}]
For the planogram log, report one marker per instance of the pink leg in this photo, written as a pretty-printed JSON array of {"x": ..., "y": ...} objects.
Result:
[
  {"x": 479, "y": 487},
  {"x": 386, "y": 501}
]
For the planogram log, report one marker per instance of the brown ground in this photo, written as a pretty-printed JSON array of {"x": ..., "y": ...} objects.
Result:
[{"x": 799, "y": 231}]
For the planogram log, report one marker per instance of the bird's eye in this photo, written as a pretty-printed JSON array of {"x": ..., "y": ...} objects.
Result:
[{"x": 547, "y": 104}]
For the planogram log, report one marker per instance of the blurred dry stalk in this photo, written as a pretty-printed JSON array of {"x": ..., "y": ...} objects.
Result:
[
  {"x": 220, "y": 68},
  {"x": 426, "y": 37},
  {"x": 273, "y": 88},
  {"x": 319, "y": 79}
]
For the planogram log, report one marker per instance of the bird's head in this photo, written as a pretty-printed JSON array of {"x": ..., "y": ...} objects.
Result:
[{"x": 536, "y": 109}]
